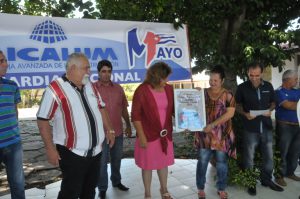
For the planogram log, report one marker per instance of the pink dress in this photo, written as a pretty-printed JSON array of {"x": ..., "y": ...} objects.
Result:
[{"x": 152, "y": 157}]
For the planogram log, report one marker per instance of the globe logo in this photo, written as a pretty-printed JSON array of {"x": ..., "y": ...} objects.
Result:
[{"x": 48, "y": 32}]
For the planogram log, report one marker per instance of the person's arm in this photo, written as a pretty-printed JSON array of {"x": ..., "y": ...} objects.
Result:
[
  {"x": 229, "y": 113},
  {"x": 125, "y": 115},
  {"x": 224, "y": 118},
  {"x": 17, "y": 111},
  {"x": 272, "y": 102},
  {"x": 136, "y": 116},
  {"x": 110, "y": 134},
  {"x": 46, "y": 134},
  {"x": 240, "y": 110},
  {"x": 140, "y": 133},
  {"x": 289, "y": 105},
  {"x": 239, "y": 104},
  {"x": 272, "y": 107}
]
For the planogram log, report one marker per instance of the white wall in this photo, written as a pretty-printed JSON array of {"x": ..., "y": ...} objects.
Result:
[{"x": 276, "y": 76}]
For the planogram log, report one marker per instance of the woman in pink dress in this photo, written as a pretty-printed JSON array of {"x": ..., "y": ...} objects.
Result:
[{"x": 152, "y": 110}]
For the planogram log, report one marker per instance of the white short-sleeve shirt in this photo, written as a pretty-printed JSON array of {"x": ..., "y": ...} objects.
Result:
[{"x": 77, "y": 121}]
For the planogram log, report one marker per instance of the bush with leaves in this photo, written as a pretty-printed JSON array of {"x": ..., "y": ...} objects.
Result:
[{"x": 187, "y": 149}]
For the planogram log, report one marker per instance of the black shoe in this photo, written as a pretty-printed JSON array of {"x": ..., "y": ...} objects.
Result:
[
  {"x": 121, "y": 187},
  {"x": 272, "y": 186},
  {"x": 102, "y": 194},
  {"x": 252, "y": 191}
]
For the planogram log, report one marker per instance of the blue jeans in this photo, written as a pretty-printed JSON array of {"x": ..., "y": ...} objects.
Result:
[
  {"x": 115, "y": 153},
  {"x": 204, "y": 155},
  {"x": 251, "y": 140},
  {"x": 288, "y": 143},
  {"x": 12, "y": 157}
]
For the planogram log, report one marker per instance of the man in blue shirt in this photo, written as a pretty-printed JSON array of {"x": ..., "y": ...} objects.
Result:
[
  {"x": 11, "y": 153},
  {"x": 287, "y": 126},
  {"x": 255, "y": 102}
]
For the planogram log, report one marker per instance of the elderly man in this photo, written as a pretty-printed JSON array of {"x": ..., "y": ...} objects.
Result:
[
  {"x": 287, "y": 126},
  {"x": 11, "y": 153},
  {"x": 255, "y": 100},
  {"x": 78, "y": 115}
]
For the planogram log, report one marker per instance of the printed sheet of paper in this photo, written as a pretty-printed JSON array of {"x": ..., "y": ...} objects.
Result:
[
  {"x": 298, "y": 111},
  {"x": 189, "y": 110},
  {"x": 258, "y": 112}
]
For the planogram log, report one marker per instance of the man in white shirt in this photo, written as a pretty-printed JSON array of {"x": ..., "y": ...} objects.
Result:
[{"x": 74, "y": 143}]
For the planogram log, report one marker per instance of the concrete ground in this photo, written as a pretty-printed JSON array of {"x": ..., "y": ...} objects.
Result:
[{"x": 181, "y": 185}]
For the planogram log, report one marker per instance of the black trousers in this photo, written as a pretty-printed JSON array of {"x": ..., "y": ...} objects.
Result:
[{"x": 79, "y": 174}]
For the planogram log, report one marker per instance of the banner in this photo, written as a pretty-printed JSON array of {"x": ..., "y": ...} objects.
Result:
[{"x": 37, "y": 47}]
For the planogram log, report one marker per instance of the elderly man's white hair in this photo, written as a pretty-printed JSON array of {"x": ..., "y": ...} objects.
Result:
[
  {"x": 74, "y": 59},
  {"x": 288, "y": 74}
]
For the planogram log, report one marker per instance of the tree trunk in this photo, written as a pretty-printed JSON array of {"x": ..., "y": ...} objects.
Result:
[{"x": 230, "y": 81}]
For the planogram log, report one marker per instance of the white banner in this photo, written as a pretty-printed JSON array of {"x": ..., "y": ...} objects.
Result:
[{"x": 37, "y": 47}]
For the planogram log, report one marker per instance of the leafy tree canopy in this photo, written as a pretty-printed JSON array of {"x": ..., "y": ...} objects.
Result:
[{"x": 229, "y": 32}]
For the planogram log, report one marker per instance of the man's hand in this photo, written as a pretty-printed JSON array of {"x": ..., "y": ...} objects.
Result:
[
  {"x": 53, "y": 156},
  {"x": 128, "y": 131},
  {"x": 249, "y": 117},
  {"x": 110, "y": 137},
  {"x": 267, "y": 114}
]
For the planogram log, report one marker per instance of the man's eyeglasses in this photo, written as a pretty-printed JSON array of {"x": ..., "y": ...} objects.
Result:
[{"x": 3, "y": 61}]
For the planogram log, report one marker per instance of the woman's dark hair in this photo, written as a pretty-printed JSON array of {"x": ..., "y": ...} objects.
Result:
[
  {"x": 218, "y": 69},
  {"x": 102, "y": 63},
  {"x": 157, "y": 72}
]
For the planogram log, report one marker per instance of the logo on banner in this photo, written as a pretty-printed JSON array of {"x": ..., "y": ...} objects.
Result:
[
  {"x": 155, "y": 46},
  {"x": 48, "y": 32}
]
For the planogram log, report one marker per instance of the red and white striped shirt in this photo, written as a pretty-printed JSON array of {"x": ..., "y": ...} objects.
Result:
[{"x": 77, "y": 121}]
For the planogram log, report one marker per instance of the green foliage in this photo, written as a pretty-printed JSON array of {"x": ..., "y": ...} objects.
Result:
[
  {"x": 30, "y": 98},
  {"x": 246, "y": 178},
  {"x": 10, "y": 6},
  {"x": 236, "y": 175},
  {"x": 277, "y": 163},
  {"x": 228, "y": 32},
  {"x": 129, "y": 90},
  {"x": 55, "y": 8},
  {"x": 187, "y": 149},
  {"x": 232, "y": 33}
]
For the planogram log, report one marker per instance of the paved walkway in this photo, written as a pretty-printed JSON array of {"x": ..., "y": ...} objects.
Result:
[
  {"x": 181, "y": 185},
  {"x": 181, "y": 175}
]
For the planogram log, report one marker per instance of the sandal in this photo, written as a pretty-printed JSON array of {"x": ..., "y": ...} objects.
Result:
[
  {"x": 223, "y": 194},
  {"x": 201, "y": 194},
  {"x": 166, "y": 195}
]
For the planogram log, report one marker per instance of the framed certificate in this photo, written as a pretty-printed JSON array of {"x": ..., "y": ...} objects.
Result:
[{"x": 189, "y": 110}]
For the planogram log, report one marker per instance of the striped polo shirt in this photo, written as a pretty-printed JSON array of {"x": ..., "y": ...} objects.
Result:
[
  {"x": 77, "y": 121},
  {"x": 9, "y": 97}
]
